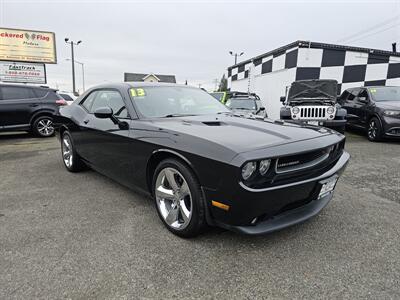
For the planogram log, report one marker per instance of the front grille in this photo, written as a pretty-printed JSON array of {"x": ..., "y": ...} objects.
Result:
[
  {"x": 302, "y": 161},
  {"x": 312, "y": 113}
]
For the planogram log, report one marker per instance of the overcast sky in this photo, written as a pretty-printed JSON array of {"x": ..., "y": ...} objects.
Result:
[{"x": 191, "y": 39}]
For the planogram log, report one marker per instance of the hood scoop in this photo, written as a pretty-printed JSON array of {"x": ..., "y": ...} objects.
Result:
[{"x": 214, "y": 123}]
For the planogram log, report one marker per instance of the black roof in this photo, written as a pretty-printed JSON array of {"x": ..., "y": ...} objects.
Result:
[{"x": 315, "y": 45}]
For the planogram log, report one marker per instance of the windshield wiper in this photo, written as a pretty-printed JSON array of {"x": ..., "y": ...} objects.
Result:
[{"x": 177, "y": 115}]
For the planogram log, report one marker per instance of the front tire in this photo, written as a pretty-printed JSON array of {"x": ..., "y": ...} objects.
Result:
[
  {"x": 71, "y": 160},
  {"x": 374, "y": 130},
  {"x": 43, "y": 126},
  {"x": 178, "y": 198}
]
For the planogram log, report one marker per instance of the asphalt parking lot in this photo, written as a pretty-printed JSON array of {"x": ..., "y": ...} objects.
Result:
[{"x": 83, "y": 236}]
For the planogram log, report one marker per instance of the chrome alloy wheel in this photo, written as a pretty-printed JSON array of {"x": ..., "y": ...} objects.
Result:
[
  {"x": 45, "y": 127},
  {"x": 173, "y": 198},
  {"x": 67, "y": 151},
  {"x": 372, "y": 130}
]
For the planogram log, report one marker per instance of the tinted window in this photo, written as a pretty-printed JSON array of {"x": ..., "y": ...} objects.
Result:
[
  {"x": 87, "y": 103},
  {"x": 16, "y": 92},
  {"x": 352, "y": 94},
  {"x": 363, "y": 93},
  {"x": 112, "y": 99},
  {"x": 237, "y": 103},
  {"x": 41, "y": 93}
]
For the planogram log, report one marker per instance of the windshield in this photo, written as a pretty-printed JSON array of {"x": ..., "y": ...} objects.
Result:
[
  {"x": 385, "y": 93},
  {"x": 217, "y": 96},
  {"x": 241, "y": 104},
  {"x": 171, "y": 101}
]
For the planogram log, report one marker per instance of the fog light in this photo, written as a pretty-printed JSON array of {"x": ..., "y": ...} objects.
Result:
[{"x": 248, "y": 170}]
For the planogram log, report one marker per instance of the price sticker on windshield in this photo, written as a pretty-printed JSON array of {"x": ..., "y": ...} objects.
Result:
[
  {"x": 138, "y": 92},
  {"x": 372, "y": 90}
]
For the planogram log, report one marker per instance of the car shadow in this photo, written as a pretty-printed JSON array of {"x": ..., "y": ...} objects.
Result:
[{"x": 16, "y": 135}]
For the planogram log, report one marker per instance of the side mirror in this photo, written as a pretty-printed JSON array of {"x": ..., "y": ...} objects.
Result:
[
  {"x": 103, "y": 112},
  {"x": 262, "y": 108},
  {"x": 283, "y": 99},
  {"x": 363, "y": 99},
  {"x": 107, "y": 113}
]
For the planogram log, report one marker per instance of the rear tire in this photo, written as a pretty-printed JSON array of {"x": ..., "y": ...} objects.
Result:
[
  {"x": 71, "y": 159},
  {"x": 374, "y": 130},
  {"x": 178, "y": 198},
  {"x": 43, "y": 126}
]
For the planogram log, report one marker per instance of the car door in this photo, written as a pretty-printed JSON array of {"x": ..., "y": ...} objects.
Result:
[
  {"x": 361, "y": 106},
  {"x": 18, "y": 103},
  {"x": 348, "y": 102},
  {"x": 104, "y": 144}
]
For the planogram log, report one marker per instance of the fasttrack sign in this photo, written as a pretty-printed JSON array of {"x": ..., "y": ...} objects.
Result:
[
  {"x": 27, "y": 46},
  {"x": 22, "y": 72}
]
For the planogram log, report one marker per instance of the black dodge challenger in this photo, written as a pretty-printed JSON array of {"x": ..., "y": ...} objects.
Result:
[{"x": 202, "y": 164}]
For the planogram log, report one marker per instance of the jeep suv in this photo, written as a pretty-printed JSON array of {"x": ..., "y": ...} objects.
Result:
[
  {"x": 28, "y": 108},
  {"x": 314, "y": 102}
]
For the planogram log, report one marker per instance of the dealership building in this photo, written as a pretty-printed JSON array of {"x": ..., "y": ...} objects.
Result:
[{"x": 269, "y": 74}]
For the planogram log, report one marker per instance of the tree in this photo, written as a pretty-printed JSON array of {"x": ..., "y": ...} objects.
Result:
[{"x": 223, "y": 84}]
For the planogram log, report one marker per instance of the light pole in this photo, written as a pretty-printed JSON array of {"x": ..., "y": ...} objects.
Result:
[
  {"x": 72, "y": 43},
  {"x": 83, "y": 71},
  {"x": 236, "y": 55}
]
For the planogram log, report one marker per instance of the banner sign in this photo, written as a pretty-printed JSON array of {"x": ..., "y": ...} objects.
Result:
[
  {"x": 27, "y": 46},
  {"x": 22, "y": 72}
]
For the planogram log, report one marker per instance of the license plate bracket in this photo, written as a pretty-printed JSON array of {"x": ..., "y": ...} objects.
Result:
[{"x": 327, "y": 186}]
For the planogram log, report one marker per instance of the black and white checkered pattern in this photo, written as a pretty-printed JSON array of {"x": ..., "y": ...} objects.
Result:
[{"x": 350, "y": 66}]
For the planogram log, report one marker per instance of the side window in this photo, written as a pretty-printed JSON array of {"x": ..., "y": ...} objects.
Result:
[
  {"x": 41, "y": 93},
  {"x": 353, "y": 94},
  {"x": 363, "y": 93},
  {"x": 344, "y": 95},
  {"x": 112, "y": 99},
  {"x": 16, "y": 93},
  {"x": 87, "y": 103}
]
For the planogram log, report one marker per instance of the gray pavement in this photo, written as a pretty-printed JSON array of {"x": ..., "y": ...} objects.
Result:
[{"x": 83, "y": 236}]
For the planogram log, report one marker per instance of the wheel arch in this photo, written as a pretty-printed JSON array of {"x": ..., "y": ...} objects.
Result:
[
  {"x": 374, "y": 115},
  {"x": 160, "y": 155},
  {"x": 41, "y": 113}
]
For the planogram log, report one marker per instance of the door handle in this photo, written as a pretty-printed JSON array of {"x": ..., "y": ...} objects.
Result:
[{"x": 86, "y": 121}]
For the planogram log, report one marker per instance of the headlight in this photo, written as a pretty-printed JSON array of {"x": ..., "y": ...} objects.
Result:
[
  {"x": 248, "y": 169},
  {"x": 330, "y": 110},
  {"x": 392, "y": 113},
  {"x": 295, "y": 110},
  {"x": 264, "y": 166}
]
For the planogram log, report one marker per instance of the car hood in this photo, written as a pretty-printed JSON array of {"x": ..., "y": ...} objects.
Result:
[
  {"x": 313, "y": 91},
  {"x": 238, "y": 134},
  {"x": 389, "y": 105}
]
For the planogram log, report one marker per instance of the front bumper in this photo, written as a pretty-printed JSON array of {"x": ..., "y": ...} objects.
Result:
[
  {"x": 275, "y": 207},
  {"x": 391, "y": 126},
  {"x": 326, "y": 123}
]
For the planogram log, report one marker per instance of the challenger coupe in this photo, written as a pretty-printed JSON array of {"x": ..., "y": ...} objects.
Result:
[{"x": 202, "y": 164}]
